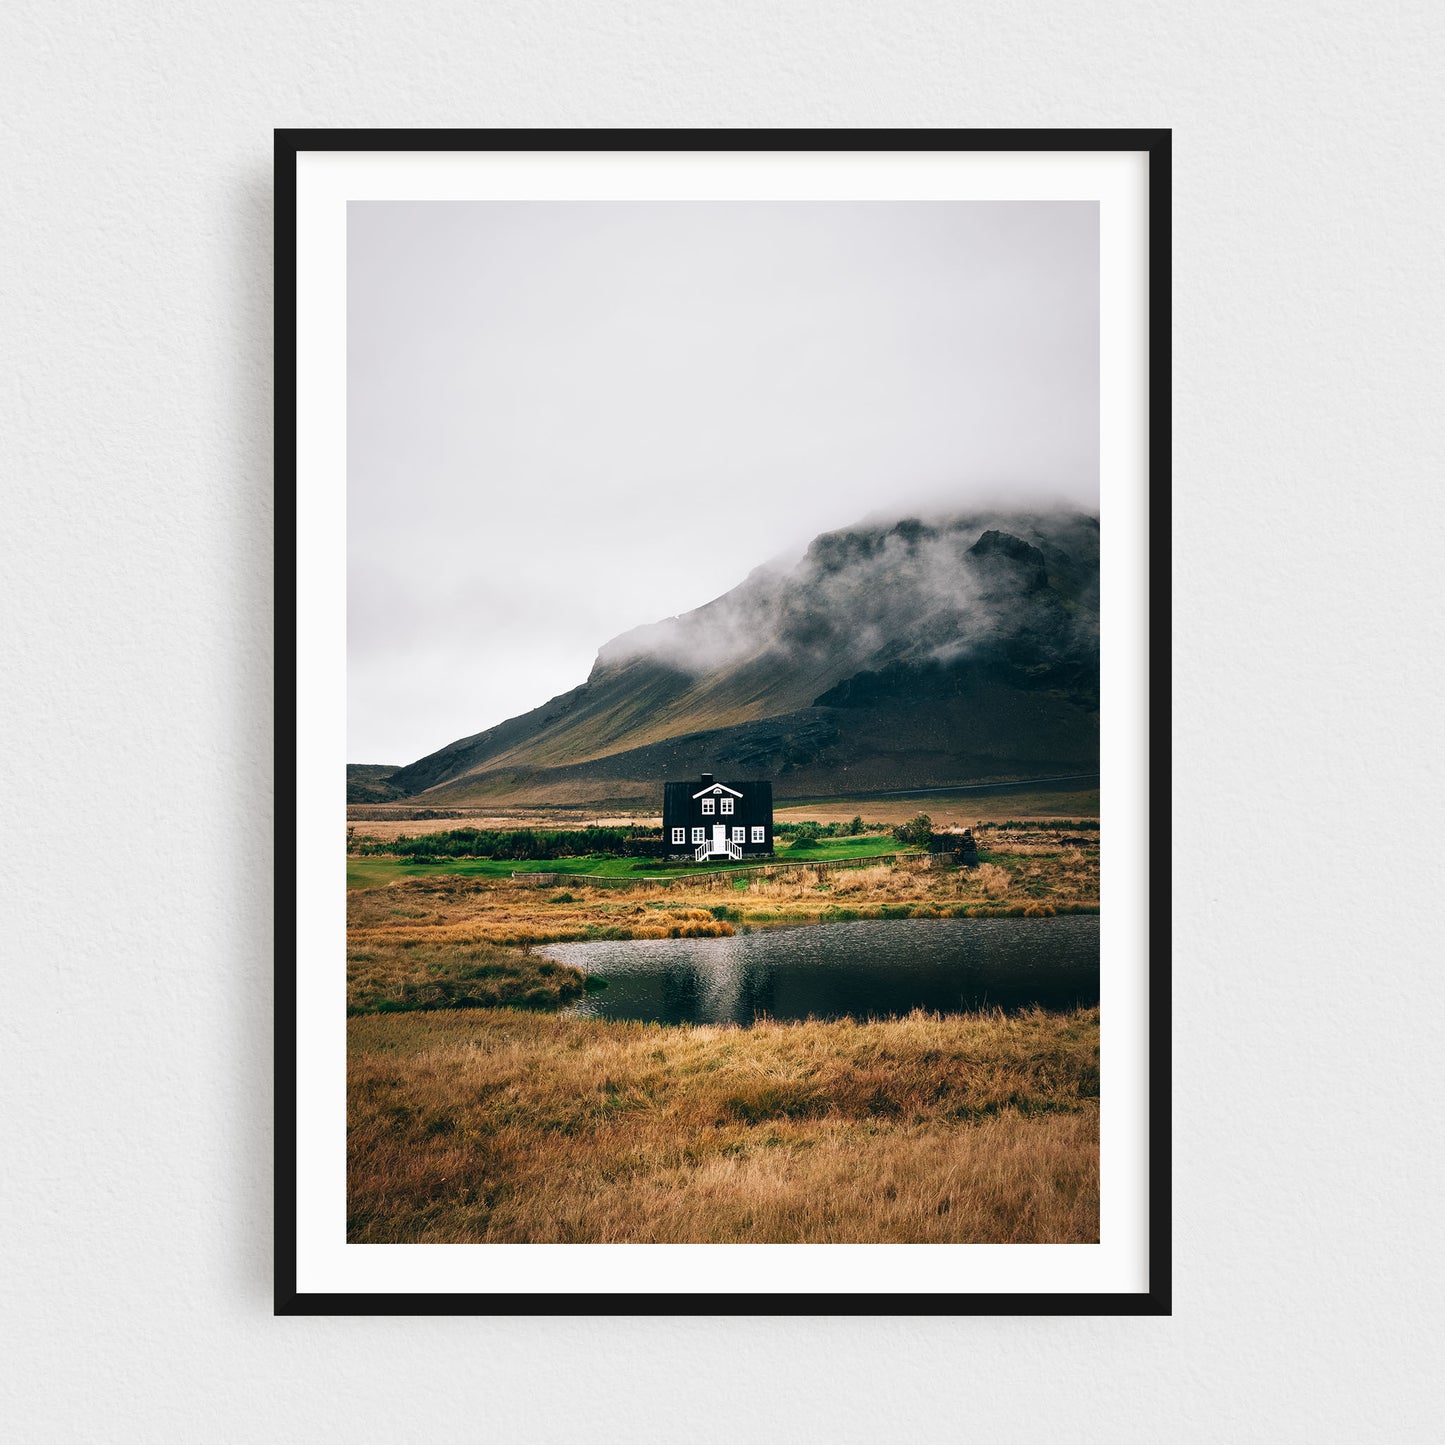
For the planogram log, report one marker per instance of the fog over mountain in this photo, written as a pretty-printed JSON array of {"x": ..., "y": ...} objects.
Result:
[
  {"x": 567, "y": 418},
  {"x": 918, "y": 652}
]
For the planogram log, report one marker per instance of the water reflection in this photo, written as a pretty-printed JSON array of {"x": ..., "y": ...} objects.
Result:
[{"x": 875, "y": 968}]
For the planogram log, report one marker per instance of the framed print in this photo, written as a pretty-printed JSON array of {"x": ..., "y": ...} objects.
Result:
[{"x": 722, "y": 722}]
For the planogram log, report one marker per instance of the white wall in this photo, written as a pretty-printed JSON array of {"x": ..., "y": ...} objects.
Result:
[{"x": 135, "y": 454}]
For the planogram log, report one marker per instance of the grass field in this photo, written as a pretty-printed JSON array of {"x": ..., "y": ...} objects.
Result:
[
  {"x": 500, "y": 1126},
  {"x": 455, "y": 907},
  {"x": 472, "y": 1122},
  {"x": 399, "y": 975},
  {"x": 377, "y": 872},
  {"x": 961, "y": 808}
]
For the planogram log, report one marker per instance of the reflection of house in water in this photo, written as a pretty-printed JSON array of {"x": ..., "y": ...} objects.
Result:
[
  {"x": 708, "y": 819},
  {"x": 681, "y": 985},
  {"x": 719, "y": 987}
]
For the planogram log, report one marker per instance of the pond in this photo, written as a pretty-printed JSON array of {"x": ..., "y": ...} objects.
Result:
[{"x": 878, "y": 968}]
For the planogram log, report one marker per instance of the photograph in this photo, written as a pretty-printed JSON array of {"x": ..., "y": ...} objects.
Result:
[
  {"x": 724, "y": 810},
  {"x": 669, "y": 675},
  {"x": 679, "y": 677}
]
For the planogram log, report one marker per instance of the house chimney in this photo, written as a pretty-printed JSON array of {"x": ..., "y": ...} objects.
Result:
[{"x": 707, "y": 780}]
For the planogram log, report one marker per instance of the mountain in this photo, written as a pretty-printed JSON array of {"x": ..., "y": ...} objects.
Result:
[
  {"x": 910, "y": 654},
  {"x": 371, "y": 783}
]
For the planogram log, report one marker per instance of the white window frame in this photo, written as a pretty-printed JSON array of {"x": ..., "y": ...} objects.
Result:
[
  {"x": 740, "y": 834},
  {"x": 708, "y": 805},
  {"x": 679, "y": 835},
  {"x": 699, "y": 835},
  {"x": 759, "y": 833},
  {"x": 726, "y": 806}
]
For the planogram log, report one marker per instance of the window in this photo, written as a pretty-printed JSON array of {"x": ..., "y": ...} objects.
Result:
[
  {"x": 727, "y": 805},
  {"x": 740, "y": 835},
  {"x": 758, "y": 834},
  {"x": 699, "y": 835},
  {"x": 708, "y": 805},
  {"x": 679, "y": 835}
]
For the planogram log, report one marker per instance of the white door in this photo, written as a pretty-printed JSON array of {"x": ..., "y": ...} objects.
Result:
[{"x": 719, "y": 838}]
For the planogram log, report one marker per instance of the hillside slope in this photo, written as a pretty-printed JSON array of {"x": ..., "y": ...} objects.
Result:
[{"x": 915, "y": 654}]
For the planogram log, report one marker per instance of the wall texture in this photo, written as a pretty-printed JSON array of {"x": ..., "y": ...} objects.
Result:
[{"x": 135, "y": 454}]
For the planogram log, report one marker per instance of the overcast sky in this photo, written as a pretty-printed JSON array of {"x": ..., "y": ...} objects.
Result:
[{"x": 545, "y": 397}]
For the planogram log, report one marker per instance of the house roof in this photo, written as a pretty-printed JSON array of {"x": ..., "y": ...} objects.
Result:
[{"x": 713, "y": 789}]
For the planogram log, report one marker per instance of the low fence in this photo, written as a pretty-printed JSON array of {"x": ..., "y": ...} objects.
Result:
[{"x": 721, "y": 877}]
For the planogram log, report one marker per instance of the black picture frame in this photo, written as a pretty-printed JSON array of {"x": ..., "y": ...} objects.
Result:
[{"x": 1157, "y": 1298}]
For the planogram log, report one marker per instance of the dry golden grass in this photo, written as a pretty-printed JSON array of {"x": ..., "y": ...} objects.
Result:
[
  {"x": 385, "y": 975},
  {"x": 493, "y": 1125},
  {"x": 496, "y": 1126},
  {"x": 474, "y": 912},
  {"x": 447, "y": 942}
]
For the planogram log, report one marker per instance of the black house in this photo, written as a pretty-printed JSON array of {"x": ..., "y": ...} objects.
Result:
[{"x": 709, "y": 819}]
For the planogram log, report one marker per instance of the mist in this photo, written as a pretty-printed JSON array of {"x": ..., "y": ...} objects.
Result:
[
  {"x": 890, "y": 591},
  {"x": 567, "y": 420}
]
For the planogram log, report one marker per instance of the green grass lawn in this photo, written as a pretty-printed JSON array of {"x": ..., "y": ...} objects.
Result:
[
  {"x": 378, "y": 872},
  {"x": 870, "y": 845}
]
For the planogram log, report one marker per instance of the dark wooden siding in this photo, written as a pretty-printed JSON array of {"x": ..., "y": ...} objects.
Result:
[{"x": 681, "y": 810}]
